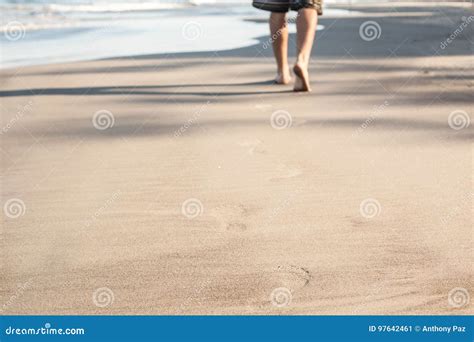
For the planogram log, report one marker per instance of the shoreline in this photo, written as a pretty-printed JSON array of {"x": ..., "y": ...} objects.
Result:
[{"x": 253, "y": 33}]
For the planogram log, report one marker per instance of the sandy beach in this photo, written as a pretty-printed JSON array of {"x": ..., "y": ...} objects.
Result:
[{"x": 188, "y": 184}]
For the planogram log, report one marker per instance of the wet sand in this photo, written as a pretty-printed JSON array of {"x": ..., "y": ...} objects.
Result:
[{"x": 184, "y": 196}]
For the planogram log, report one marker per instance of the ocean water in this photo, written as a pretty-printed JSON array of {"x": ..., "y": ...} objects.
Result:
[
  {"x": 49, "y": 31},
  {"x": 44, "y": 14}
]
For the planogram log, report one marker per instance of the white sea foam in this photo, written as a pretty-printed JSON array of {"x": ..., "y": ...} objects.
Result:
[{"x": 70, "y": 30}]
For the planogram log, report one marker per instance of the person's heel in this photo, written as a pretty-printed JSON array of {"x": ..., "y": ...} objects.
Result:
[{"x": 302, "y": 80}]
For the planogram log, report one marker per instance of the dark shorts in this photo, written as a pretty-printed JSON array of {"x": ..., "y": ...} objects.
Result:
[{"x": 283, "y": 6}]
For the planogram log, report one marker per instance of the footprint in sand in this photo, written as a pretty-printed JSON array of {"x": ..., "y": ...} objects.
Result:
[
  {"x": 236, "y": 226},
  {"x": 252, "y": 146},
  {"x": 298, "y": 123},
  {"x": 264, "y": 106},
  {"x": 231, "y": 217},
  {"x": 292, "y": 276},
  {"x": 284, "y": 172},
  {"x": 356, "y": 222}
]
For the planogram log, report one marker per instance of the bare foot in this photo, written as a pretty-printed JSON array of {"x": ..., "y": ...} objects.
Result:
[
  {"x": 283, "y": 77},
  {"x": 302, "y": 78}
]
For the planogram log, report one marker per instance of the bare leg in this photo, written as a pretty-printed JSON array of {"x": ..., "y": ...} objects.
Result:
[
  {"x": 306, "y": 25},
  {"x": 279, "y": 39}
]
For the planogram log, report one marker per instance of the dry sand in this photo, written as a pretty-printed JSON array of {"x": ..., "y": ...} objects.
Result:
[{"x": 280, "y": 207}]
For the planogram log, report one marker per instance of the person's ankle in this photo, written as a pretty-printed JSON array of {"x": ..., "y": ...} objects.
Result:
[
  {"x": 284, "y": 69},
  {"x": 302, "y": 62},
  {"x": 283, "y": 76},
  {"x": 285, "y": 72}
]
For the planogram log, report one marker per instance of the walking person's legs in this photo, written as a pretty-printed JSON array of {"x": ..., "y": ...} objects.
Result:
[
  {"x": 306, "y": 24},
  {"x": 279, "y": 39}
]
